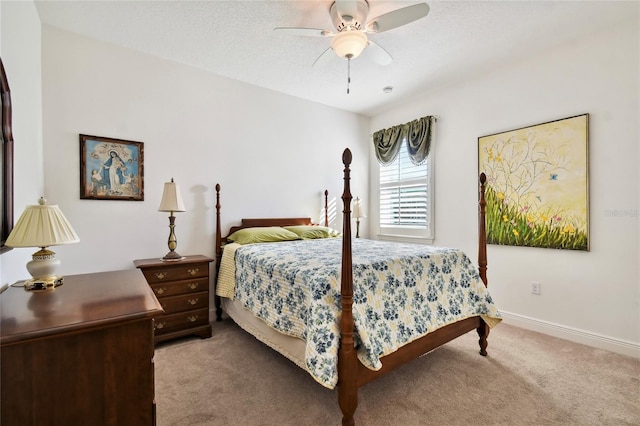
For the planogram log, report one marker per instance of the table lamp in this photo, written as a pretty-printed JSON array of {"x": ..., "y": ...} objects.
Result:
[
  {"x": 42, "y": 226},
  {"x": 358, "y": 213},
  {"x": 172, "y": 202}
]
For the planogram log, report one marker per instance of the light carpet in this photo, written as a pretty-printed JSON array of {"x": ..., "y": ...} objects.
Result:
[{"x": 527, "y": 379}]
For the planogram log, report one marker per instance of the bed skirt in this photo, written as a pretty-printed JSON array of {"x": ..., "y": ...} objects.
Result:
[{"x": 289, "y": 346}]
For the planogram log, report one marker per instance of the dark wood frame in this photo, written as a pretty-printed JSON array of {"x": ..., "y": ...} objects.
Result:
[
  {"x": 351, "y": 372},
  {"x": 83, "y": 168},
  {"x": 6, "y": 224}
]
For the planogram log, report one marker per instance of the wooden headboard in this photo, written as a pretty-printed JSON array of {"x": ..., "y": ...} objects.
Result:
[
  {"x": 252, "y": 223},
  {"x": 256, "y": 222},
  {"x": 280, "y": 221}
]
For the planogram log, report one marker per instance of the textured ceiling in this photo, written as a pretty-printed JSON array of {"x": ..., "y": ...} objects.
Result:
[{"x": 457, "y": 40}]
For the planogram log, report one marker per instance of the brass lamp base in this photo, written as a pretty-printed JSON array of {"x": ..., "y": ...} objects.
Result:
[
  {"x": 43, "y": 284},
  {"x": 172, "y": 256}
]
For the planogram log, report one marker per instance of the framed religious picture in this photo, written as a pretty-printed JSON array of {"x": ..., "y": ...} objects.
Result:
[
  {"x": 111, "y": 169},
  {"x": 538, "y": 184}
]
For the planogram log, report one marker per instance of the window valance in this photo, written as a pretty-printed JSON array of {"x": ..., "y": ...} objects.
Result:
[{"x": 418, "y": 134}]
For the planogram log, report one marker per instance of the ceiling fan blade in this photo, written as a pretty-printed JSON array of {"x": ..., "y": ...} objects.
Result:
[
  {"x": 397, "y": 18},
  {"x": 378, "y": 54},
  {"x": 324, "y": 57},
  {"x": 307, "y": 32},
  {"x": 347, "y": 8}
]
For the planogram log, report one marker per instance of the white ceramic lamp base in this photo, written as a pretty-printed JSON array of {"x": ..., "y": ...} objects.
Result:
[{"x": 43, "y": 268}]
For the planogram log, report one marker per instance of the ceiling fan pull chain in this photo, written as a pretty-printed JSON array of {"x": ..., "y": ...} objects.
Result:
[{"x": 348, "y": 74}]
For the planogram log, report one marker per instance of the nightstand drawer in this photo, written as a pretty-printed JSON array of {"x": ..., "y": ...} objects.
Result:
[
  {"x": 180, "y": 321},
  {"x": 180, "y": 287},
  {"x": 185, "y": 302},
  {"x": 172, "y": 272}
]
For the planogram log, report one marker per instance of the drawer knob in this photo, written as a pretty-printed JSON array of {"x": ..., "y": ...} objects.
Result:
[
  {"x": 193, "y": 271},
  {"x": 192, "y": 301},
  {"x": 159, "y": 325},
  {"x": 160, "y": 275},
  {"x": 192, "y": 318},
  {"x": 193, "y": 286},
  {"x": 160, "y": 290}
]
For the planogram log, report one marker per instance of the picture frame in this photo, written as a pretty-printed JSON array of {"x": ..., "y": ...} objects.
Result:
[
  {"x": 537, "y": 189},
  {"x": 111, "y": 169}
]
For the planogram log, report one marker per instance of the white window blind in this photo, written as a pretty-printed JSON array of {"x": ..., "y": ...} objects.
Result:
[{"x": 404, "y": 197}]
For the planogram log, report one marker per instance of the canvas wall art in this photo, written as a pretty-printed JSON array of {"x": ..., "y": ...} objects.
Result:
[
  {"x": 111, "y": 169},
  {"x": 537, "y": 184}
]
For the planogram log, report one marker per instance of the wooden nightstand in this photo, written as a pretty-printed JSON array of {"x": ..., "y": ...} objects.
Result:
[{"x": 182, "y": 288}]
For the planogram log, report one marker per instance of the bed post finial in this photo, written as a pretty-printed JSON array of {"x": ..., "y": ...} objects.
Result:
[
  {"x": 347, "y": 360},
  {"x": 347, "y": 157},
  {"x": 217, "y": 300}
]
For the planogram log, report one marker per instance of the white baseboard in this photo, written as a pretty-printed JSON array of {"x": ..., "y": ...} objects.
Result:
[{"x": 588, "y": 338}]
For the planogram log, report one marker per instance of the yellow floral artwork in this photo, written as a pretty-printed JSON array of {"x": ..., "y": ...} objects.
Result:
[{"x": 537, "y": 184}]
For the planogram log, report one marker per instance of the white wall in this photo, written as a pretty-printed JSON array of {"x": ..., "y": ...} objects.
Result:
[
  {"x": 198, "y": 127},
  {"x": 272, "y": 154},
  {"x": 20, "y": 51},
  {"x": 586, "y": 296}
]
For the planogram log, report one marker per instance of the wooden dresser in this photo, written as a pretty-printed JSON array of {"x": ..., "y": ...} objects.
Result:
[
  {"x": 182, "y": 288},
  {"x": 81, "y": 354}
]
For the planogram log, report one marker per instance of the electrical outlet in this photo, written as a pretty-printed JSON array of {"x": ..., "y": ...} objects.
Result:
[{"x": 535, "y": 288}]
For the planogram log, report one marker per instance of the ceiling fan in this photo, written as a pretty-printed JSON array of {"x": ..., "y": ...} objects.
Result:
[{"x": 349, "y": 38}]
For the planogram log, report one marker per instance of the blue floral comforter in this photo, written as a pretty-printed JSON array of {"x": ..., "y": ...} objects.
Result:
[{"x": 401, "y": 292}]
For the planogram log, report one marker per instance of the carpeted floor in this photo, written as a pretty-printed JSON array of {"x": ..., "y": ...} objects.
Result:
[{"x": 527, "y": 379}]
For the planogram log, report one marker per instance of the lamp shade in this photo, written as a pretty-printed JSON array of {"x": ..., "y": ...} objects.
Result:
[
  {"x": 171, "y": 198},
  {"x": 349, "y": 43},
  {"x": 42, "y": 226},
  {"x": 358, "y": 210}
]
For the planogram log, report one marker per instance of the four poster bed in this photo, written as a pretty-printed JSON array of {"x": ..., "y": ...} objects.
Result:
[{"x": 298, "y": 296}]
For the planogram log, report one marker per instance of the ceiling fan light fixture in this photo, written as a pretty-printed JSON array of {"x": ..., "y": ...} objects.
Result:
[{"x": 349, "y": 44}]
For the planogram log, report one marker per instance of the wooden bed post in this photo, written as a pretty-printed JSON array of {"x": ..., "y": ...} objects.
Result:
[
  {"x": 483, "y": 329},
  {"x": 482, "y": 231},
  {"x": 217, "y": 300},
  {"x": 347, "y": 360},
  {"x": 326, "y": 208}
]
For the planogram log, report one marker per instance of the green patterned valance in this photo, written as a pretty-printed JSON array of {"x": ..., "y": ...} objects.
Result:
[{"x": 418, "y": 134}]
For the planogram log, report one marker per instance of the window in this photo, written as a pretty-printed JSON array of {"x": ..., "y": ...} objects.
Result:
[{"x": 406, "y": 198}]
